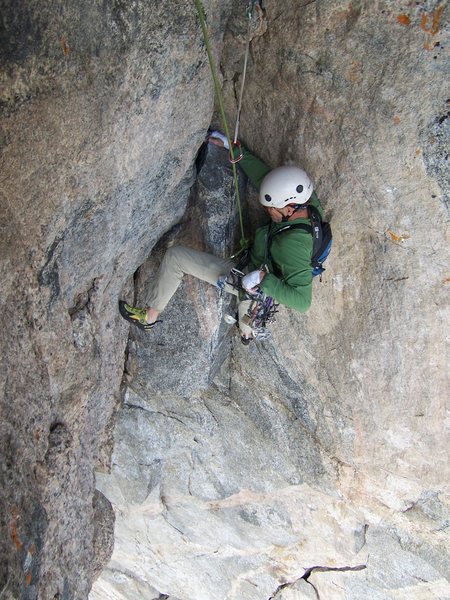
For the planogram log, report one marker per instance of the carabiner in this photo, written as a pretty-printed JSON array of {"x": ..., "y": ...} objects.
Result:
[{"x": 235, "y": 144}]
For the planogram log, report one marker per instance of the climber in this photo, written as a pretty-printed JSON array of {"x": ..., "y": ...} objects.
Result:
[{"x": 285, "y": 275}]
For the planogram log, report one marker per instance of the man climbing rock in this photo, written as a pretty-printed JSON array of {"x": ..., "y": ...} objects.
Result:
[{"x": 279, "y": 265}]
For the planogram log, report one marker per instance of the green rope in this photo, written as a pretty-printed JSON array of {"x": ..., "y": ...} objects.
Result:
[{"x": 201, "y": 13}]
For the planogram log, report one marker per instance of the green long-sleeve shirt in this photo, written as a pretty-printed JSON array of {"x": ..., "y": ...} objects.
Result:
[{"x": 291, "y": 251}]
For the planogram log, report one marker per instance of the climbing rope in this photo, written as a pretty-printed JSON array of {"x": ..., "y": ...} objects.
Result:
[
  {"x": 250, "y": 9},
  {"x": 231, "y": 143}
]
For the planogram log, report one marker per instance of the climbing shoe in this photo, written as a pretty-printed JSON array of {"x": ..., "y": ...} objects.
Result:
[
  {"x": 246, "y": 340},
  {"x": 135, "y": 315}
]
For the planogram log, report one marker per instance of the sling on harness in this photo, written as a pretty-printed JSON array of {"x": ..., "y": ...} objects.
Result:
[{"x": 322, "y": 240}]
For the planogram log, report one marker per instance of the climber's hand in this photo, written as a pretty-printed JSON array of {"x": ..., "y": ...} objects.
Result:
[
  {"x": 252, "y": 280},
  {"x": 219, "y": 139}
]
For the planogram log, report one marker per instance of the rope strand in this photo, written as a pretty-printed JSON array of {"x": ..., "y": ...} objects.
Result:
[
  {"x": 201, "y": 14},
  {"x": 244, "y": 73}
]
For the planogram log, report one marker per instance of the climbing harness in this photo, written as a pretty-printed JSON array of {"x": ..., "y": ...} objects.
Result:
[
  {"x": 262, "y": 309},
  {"x": 233, "y": 144}
]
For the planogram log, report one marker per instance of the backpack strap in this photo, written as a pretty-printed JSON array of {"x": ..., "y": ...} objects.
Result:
[
  {"x": 271, "y": 234},
  {"x": 316, "y": 224},
  {"x": 321, "y": 236},
  {"x": 304, "y": 226}
]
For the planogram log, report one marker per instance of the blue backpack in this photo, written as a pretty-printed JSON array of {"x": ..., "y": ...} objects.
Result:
[{"x": 322, "y": 239}]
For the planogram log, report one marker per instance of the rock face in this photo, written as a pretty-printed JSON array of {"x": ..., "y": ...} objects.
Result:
[
  {"x": 104, "y": 107},
  {"x": 312, "y": 464}
]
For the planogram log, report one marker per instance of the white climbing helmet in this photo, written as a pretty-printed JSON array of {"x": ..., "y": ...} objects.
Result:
[{"x": 285, "y": 185}]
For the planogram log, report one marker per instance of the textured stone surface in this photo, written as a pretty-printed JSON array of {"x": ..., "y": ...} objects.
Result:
[
  {"x": 316, "y": 463},
  {"x": 103, "y": 532},
  {"x": 372, "y": 345},
  {"x": 192, "y": 338},
  {"x": 104, "y": 106},
  {"x": 322, "y": 450}
]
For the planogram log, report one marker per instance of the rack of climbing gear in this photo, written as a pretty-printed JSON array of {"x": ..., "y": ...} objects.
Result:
[
  {"x": 261, "y": 314},
  {"x": 233, "y": 144},
  {"x": 262, "y": 310}
]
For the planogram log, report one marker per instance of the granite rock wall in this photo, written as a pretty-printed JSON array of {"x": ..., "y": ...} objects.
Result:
[
  {"x": 311, "y": 465},
  {"x": 315, "y": 464},
  {"x": 104, "y": 107}
]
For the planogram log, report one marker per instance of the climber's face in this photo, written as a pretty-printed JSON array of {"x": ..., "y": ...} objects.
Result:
[{"x": 278, "y": 214}]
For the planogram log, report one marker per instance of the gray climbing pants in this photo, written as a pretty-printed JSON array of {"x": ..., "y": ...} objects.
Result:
[{"x": 179, "y": 261}]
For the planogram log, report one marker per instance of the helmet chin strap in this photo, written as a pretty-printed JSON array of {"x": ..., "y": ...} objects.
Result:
[{"x": 296, "y": 208}]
